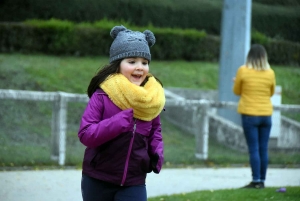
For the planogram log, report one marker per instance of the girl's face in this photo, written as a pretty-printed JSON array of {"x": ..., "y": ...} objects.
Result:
[{"x": 135, "y": 69}]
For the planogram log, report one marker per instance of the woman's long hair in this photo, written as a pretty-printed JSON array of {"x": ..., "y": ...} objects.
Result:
[{"x": 257, "y": 58}]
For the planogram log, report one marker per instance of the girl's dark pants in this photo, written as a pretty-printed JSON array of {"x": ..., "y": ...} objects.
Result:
[{"x": 97, "y": 190}]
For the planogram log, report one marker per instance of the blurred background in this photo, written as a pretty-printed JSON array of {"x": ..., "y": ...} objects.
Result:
[{"x": 51, "y": 46}]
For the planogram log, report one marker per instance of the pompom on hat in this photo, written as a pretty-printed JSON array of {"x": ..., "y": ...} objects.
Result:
[{"x": 129, "y": 43}]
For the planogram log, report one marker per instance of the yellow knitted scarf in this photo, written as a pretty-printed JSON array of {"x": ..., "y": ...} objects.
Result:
[{"x": 147, "y": 101}]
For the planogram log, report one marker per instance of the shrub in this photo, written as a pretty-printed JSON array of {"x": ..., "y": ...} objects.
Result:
[{"x": 83, "y": 39}]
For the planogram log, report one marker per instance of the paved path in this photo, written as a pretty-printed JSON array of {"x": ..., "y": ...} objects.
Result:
[{"x": 64, "y": 185}]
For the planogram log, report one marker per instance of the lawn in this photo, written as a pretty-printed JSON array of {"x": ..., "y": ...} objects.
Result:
[
  {"x": 72, "y": 74},
  {"x": 21, "y": 138},
  {"x": 25, "y": 129},
  {"x": 267, "y": 194}
]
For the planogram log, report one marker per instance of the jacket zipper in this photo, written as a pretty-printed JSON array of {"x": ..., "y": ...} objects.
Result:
[{"x": 128, "y": 154}]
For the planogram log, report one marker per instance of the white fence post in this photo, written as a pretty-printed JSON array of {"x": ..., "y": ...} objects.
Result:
[
  {"x": 62, "y": 118},
  {"x": 276, "y": 116},
  {"x": 54, "y": 130},
  {"x": 59, "y": 127},
  {"x": 201, "y": 125}
]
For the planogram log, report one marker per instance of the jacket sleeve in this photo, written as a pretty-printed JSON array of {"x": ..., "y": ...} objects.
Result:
[
  {"x": 156, "y": 146},
  {"x": 237, "y": 86},
  {"x": 94, "y": 130},
  {"x": 273, "y": 85}
]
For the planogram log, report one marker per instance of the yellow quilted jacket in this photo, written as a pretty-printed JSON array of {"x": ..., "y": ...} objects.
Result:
[{"x": 255, "y": 89}]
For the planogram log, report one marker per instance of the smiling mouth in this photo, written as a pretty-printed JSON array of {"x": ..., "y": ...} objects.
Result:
[{"x": 137, "y": 76}]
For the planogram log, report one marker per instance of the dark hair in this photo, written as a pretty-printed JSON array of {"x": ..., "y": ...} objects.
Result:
[
  {"x": 257, "y": 58},
  {"x": 146, "y": 79},
  {"x": 103, "y": 73}
]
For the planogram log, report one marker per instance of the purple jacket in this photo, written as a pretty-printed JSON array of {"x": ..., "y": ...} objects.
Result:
[{"x": 119, "y": 148}]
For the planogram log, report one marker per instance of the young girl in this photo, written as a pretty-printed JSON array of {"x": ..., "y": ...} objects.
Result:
[
  {"x": 120, "y": 126},
  {"x": 255, "y": 84}
]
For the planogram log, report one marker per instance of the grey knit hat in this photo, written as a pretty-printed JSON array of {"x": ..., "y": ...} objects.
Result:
[{"x": 129, "y": 43}]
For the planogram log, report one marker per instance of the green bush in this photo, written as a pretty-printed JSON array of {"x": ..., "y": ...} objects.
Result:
[
  {"x": 260, "y": 38},
  {"x": 279, "y": 2},
  {"x": 277, "y": 21},
  {"x": 281, "y": 52},
  {"x": 57, "y": 34},
  {"x": 63, "y": 37},
  {"x": 275, "y": 18},
  {"x": 93, "y": 39}
]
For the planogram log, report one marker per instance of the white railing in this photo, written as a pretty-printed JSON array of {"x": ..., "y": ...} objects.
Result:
[{"x": 59, "y": 119}]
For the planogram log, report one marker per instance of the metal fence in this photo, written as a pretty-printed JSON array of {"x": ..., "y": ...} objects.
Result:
[
  {"x": 62, "y": 107},
  {"x": 58, "y": 124}
]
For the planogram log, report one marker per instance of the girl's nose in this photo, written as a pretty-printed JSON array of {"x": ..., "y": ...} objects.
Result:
[{"x": 139, "y": 66}]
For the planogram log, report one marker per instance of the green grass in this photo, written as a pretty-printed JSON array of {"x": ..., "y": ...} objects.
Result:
[
  {"x": 267, "y": 194},
  {"x": 72, "y": 74},
  {"x": 179, "y": 151}
]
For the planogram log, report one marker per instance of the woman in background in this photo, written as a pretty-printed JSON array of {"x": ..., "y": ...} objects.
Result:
[{"x": 255, "y": 84}]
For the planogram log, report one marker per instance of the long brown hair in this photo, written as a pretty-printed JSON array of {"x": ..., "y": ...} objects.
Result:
[{"x": 102, "y": 74}]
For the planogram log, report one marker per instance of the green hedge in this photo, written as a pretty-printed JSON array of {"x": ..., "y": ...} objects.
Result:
[
  {"x": 274, "y": 18},
  {"x": 67, "y": 38},
  {"x": 279, "y": 2},
  {"x": 86, "y": 39}
]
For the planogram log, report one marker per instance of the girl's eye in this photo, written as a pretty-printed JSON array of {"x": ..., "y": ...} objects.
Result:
[
  {"x": 145, "y": 63},
  {"x": 131, "y": 62}
]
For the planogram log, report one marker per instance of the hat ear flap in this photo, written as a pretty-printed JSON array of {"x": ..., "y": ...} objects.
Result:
[
  {"x": 117, "y": 29},
  {"x": 150, "y": 38}
]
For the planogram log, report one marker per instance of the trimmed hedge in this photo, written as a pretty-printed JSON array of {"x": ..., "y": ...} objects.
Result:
[
  {"x": 274, "y": 18},
  {"x": 279, "y": 2},
  {"x": 85, "y": 39},
  {"x": 68, "y": 38}
]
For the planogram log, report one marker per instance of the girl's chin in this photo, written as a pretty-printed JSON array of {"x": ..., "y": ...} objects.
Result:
[{"x": 136, "y": 81}]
